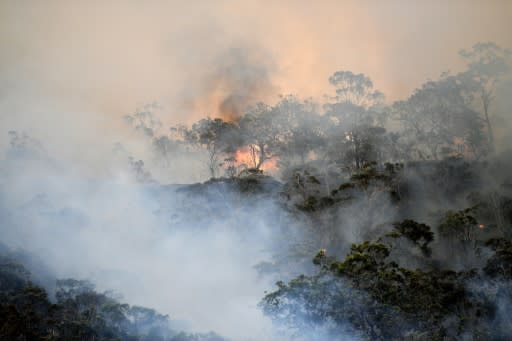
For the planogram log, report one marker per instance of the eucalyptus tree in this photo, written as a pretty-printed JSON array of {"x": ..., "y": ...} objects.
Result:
[
  {"x": 355, "y": 117},
  {"x": 260, "y": 133},
  {"x": 356, "y": 89},
  {"x": 300, "y": 129},
  {"x": 166, "y": 149},
  {"x": 217, "y": 137},
  {"x": 144, "y": 120},
  {"x": 487, "y": 65},
  {"x": 437, "y": 120}
]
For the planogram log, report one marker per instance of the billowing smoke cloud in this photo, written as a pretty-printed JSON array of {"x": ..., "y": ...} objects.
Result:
[
  {"x": 106, "y": 58},
  {"x": 240, "y": 77},
  {"x": 189, "y": 254}
]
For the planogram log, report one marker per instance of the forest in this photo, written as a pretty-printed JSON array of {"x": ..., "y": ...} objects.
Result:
[{"x": 350, "y": 218}]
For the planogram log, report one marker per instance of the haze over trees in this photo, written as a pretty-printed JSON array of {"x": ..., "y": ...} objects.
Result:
[
  {"x": 377, "y": 220},
  {"x": 451, "y": 116}
]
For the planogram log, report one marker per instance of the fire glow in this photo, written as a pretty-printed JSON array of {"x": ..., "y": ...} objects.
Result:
[{"x": 247, "y": 157}]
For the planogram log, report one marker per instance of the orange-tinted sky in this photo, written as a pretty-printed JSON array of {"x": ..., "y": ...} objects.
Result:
[{"x": 108, "y": 57}]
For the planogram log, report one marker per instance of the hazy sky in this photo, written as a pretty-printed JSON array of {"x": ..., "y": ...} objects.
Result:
[{"x": 89, "y": 62}]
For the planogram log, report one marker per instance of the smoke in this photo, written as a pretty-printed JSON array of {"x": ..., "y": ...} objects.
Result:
[
  {"x": 70, "y": 71},
  {"x": 106, "y": 58},
  {"x": 168, "y": 248},
  {"x": 240, "y": 77}
]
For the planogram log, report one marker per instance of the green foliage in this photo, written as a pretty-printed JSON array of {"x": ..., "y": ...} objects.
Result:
[
  {"x": 435, "y": 304},
  {"x": 217, "y": 137},
  {"x": 418, "y": 233},
  {"x": 500, "y": 264},
  {"x": 355, "y": 88},
  {"x": 369, "y": 181},
  {"x": 437, "y": 118},
  {"x": 80, "y": 313},
  {"x": 460, "y": 225}
]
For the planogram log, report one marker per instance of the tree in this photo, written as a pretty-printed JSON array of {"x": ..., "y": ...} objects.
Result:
[
  {"x": 138, "y": 171},
  {"x": 79, "y": 313},
  {"x": 356, "y": 89},
  {"x": 375, "y": 298},
  {"x": 144, "y": 120},
  {"x": 487, "y": 64},
  {"x": 438, "y": 121},
  {"x": 356, "y": 118},
  {"x": 217, "y": 137},
  {"x": 500, "y": 264},
  {"x": 419, "y": 234},
  {"x": 165, "y": 148},
  {"x": 461, "y": 230},
  {"x": 300, "y": 129},
  {"x": 260, "y": 134}
]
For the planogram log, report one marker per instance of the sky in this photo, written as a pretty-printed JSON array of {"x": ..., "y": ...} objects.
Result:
[{"x": 74, "y": 68}]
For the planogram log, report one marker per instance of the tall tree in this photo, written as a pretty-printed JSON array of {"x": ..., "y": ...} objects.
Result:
[
  {"x": 217, "y": 137},
  {"x": 356, "y": 117},
  {"x": 487, "y": 64},
  {"x": 300, "y": 129},
  {"x": 438, "y": 121},
  {"x": 144, "y": 120},
  {"x": 355, "y": 88},
  {"x": 260, "y": 133}
]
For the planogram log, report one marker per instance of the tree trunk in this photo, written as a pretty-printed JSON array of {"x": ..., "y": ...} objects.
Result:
[
  {"x": 261, "y": 156},
  {"x": 486, "y": 103}
]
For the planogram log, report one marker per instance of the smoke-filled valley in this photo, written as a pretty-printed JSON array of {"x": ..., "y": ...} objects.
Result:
[{"x": 229, "y": 211}]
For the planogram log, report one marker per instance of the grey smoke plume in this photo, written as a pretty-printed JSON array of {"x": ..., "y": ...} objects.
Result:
[
  {"x": 156, "y": 246},
  {"x": 241, "y": 76}
]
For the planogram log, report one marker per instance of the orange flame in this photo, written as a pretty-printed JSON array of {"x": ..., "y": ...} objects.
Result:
[{"x": 244, "y": 158}]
